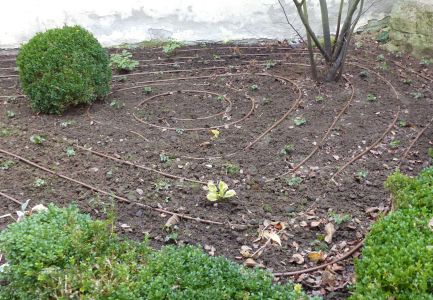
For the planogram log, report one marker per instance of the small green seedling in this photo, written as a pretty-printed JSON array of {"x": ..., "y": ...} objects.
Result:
[
  {"x": 383, "y": 37},
  {"x": 254, "y": 87},
  {"x": 371, "y": 97},
  {"x": 417, "y": 95},
  {"x": 37, "y": 139},
  {"x": 361, "y": 175},
  {"x": 67, "y": 123},
  {"x": 394, "y": 144},
  {"x": 407, "y": 81},
  {"x": 170, "y": 47},
  {"x": 216, "y": 56},
  {"x": 164, "y": 158},
  {"x": 380, "y": 57},
  {"x": 294, "y": 181},
  {"x": 70, "y": 152},
  {"x": 219, "y": 192},
  {"x": 11, "y": 99},
  {"x": 231, "y": 169},
  {"x": 6, "y": 165},
  {"x": 162, "y": 185},
  {"x": 287, "y": 150},
  {"x": 402, "y": 123},
  {"x": 270, "y": 64},
  {"x": 123, "y": 61},
  {"x": 221, "y": 97},
  {"x": 180, "y": 130},
  {"x": 10, "y": 114},
  {"x": 215, "y": 134},
  {"x": 425, "y": 62},
  {"x": 340, "y": 219},
  {"x": 363, "y": 74},
  {"x": 383, "y": 66},
  {"x": 39, "y": 182},
  {"x": 319, "y": 98},
  {"x": 430, "y": 152},
  {"x": 299, "y": 121},
  {"x": 359, "y": 45},
  {"x": 147, "y": 89},
  {"x": 116, "y": 104}
]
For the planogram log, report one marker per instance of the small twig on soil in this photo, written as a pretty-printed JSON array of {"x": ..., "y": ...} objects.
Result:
[
  {"x": 140, "y": 166},
  {"x": 312, "y": 269},
  {"x": 10, "y": 198},
  {"x": 120, "y": 198},
  {"x": 413, "y": 71},
  {"x": 420, "y": 133},
  {"x": 369, "y": 147}
]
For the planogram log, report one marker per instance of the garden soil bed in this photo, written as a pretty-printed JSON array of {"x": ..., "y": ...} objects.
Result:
[{"x": 240, "y": 92}]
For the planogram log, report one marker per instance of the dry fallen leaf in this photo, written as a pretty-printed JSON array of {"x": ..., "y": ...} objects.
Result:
[
  {"x": 249, "y": 262},
  {"x": 316, "y": 256},
  {"x": 246, "y": 251},
  {"x": 330, "y": 230},
  {"x": 328, "y": 278},
  {"x": 273, "y": 236},
  {"x": 210, "y": 249},
  {"x": 315, "y": 224},
  {"x": 173, "y": 220},
  {"x": 430, "y": 224},
  {"x": 298, "y": 258}
]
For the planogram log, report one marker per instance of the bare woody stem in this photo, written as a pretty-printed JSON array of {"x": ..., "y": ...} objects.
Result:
[
  {"x": 310, "y": 46},
  {"x": 325, "y": 26}
]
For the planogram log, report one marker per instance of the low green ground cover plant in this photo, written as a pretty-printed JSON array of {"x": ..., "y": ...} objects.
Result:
[
  {"x": 123, "y": 61},
  {"x": 63, "y": 67},
  {"x": 63, "y": 254},
  {"x": 396, "y": 260}
]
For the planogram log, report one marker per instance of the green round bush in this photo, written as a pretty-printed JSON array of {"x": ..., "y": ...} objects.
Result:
[{"x": 63, "y": 67}]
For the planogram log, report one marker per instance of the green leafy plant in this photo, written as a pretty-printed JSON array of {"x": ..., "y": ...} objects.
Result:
[
  {"x": 361, "y": 175},
  {"x": 63, "y": 67},
  {"x": 147, "y": 89},
  {"x": 340, "y": 218},
  {"x": 270, "y": 64},
  {"x": 402, "y": 123},
  {"x": 371, "y": 97},
  {"x": 180, "y": 130},
  {"x": 6, "y": 165},
  {"x": 363, "y": 74},
  {"x": 165, "y": 158},
  {"x": 380, "y": 57},
  {"x": 319, "y": 98},
  {"x": 170, "y": 47},
  {"x": 67, "y": 123},
  {"x": 299, "y": 121},
  {"x": 221, "y": 97},
  {"x": 70, "y": 152},
  {"x": 219, "y": 192},
  {"x": 287, "y": 150},
  {"x": 394, "y": 144},
  {"x": 39, "y": 182},
  {"x": 417, "y": 95},
  {"x": 254, "y": 87},
  {"x": 59, "y": 248},
  {"x": 407, "y": 81},
  {"x": 426, "y": 62},
  {"x": 430, "y": 152},
  {"x": 216, "y": 56},
  {"x": 400, "y": 246},
  {"x": 162, "y": 185},
  {"x": 123, "y": 61},
  {"x": 383, "y": 37},
  {"x": 294, "y": 181},
  {"x": 116, "y": 104},
  {"x": 10, "y": 114},
  {"x": 231, "y": 169},
  {"x": 37, "y": 139}
]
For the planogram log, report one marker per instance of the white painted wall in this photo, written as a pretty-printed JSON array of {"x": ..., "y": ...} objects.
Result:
[{"x": 120, "y": 21}]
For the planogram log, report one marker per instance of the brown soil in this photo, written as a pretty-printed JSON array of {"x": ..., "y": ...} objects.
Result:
[{"x": 174, "y": 122}]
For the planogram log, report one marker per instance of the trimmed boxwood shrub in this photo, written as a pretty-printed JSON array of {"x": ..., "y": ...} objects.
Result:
[
  {"x": 62, "y": 254},
  {"x": 412, "y": 192},
  {"x": 397, "y": 259},
  {"x": 63, "y": 67}
]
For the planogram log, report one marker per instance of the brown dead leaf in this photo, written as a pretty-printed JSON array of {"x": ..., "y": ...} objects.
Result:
[
  {"x": 273, "y": 236},
  {"x": 210, "y": 249},
  {"x": 295, "y": 245},
  {"x": 315, "y": 224},
  {"x": 173, "y": 220},
  {"x": 316, "y": 256},
  {"x": 330, "y": 230},
  {"x": 246, "y": 251},
  {"x": 249, "y": 262},
  {"x": 303, "y": 224},
  {"x": 328, "y": 278},
  {"x": 298, "y": 258}
]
